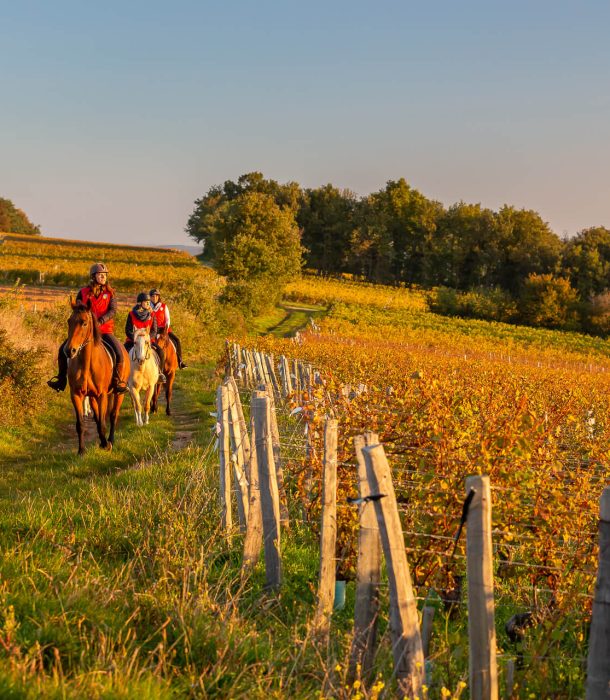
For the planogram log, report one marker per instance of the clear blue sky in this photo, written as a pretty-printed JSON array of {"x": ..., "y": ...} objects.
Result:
[{"x": 116, "y": 116}]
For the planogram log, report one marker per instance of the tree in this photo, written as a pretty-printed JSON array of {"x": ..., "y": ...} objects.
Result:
[
  {"x": 201, "y": 224},
  {"x": 465, "y": 250},
  {"x": 550, "y": 302},
  {"x": 13, "y": 220},
  {"x": 528, "y": 246},
  {"x": 587, "y": 261},
  {"x": 257, "y": 246},
  {"x": 326, "y": 217}
]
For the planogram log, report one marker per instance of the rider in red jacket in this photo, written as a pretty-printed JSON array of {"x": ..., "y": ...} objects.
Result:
[
  {"x": 141, "y": 316},
  {"x": 103, "y": 306},
  {"x": 161, "y": 312}
]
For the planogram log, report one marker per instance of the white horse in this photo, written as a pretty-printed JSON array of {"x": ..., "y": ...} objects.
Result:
[{"x": 143, "y": 375}]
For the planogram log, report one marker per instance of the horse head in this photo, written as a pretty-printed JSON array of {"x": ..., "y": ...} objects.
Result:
[
  {"x": 82, "y": 328},
  {"x": 141, "y": 345},
  {"x": 163, "y": 338}
]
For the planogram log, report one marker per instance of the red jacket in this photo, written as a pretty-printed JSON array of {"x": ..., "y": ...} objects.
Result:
[
  {"x": 102, "y": 306},
  {"x": 161, "y": 313}
]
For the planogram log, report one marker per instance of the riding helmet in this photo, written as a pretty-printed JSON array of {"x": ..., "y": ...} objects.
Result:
[
  {"x": 154, "y": 291},
  {"x": 143, "y": 296},
  {"x": 98, "y": 267}
]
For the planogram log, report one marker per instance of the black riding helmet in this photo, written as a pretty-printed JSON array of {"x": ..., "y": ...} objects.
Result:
[{"x": 143, "y": 296}]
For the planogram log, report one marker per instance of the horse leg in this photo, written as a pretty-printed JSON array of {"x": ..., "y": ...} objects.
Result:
[
  {"x": 103, "y": 405},
  {"x": 134, "y": 392},
  {"x": 155, "y": 398},
  {"x": 77, "y": 402},
  {"x": 101, "y": 426},
  {"x": 147, "y": 399},
  {"x": 168, "y": 393},
  {"x": 114, "y": 416}
]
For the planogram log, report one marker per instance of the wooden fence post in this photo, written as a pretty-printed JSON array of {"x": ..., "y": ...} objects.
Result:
[
  {"x": 598, "y": 661},
  {"x": 328, "y": 531},
  {"x": 224, "y": 452},
  {"x": 481, "y": 625},
  {"x": 246, "y": 448},
  {"x": 254, "y": 530},
  {"x": 277, "y": 459},
  {"x": 426, "y": 629},
  {"x": 237, "y": 456},
  {"x": 270, "y": 501},
  {"x": 406, "y": 638},
  {"x": 272, "y": 375},
  {"x": 368, "y": 574}
]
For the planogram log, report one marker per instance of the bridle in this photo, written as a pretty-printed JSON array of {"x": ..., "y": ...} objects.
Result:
[
  {"x": 82, "y": 345},
  {"x": 140, "y": 360}
]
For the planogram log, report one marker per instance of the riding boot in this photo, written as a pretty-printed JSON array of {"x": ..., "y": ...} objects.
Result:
[
  {"x": 178, "y": 345},
  {"x": 119, "y": 386},
  {"x": 59, "y": 382},
  {"x": 161, "y": 353}
]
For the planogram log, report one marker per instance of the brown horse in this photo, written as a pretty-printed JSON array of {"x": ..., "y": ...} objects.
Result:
[
  {"x": 169, "y": 369},
  {"x": 90, "y": 374}
]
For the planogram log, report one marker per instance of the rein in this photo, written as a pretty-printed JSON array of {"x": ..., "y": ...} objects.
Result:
[{"x": 82, "y": 345}]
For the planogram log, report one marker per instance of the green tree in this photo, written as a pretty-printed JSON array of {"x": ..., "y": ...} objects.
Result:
[
  {"x": 13, "y": 220},
  {"x": 587, "y": 261},
  {"x": 326, "y": 217},
  {"x": 257, "y": 246},
  {"x": 528, "y": 246},
  {"x": 465, "y": 252},
  {"x": 202, "y": 222}
]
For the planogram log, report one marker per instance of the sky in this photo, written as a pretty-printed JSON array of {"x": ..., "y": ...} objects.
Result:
[{"x": 116, "y": 116}]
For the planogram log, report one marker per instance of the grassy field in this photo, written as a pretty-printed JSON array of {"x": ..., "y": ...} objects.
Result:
[{"x": 116, "y": 582}]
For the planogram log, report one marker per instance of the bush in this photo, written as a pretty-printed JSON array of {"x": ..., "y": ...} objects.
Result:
[
  {"x": 550, "y": 302},
  {"x": 489, "y": 304},
  {"x": 21, "y": 382}
]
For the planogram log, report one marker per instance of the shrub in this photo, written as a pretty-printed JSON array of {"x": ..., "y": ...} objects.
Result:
[
  {"x": 489, "y": 304},
  {"x": 550, "y": 302},
  {"x": 21, "y": 384}
]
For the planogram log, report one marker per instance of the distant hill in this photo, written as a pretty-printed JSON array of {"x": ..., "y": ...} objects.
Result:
[{"x": 191, "y": 249}]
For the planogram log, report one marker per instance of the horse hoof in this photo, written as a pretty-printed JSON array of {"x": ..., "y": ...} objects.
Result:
[
  {"x": 103, "y": 445},
  {"x": 108, "y": 447},
  {"x": 168, "y": 412},
  {"x": 81, "y": 451}
]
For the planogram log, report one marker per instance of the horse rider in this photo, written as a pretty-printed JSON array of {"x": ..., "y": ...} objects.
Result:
[
  {"x": 141, "y": 316},
  {"x": 161, "y": 313},
  {"x": 103, "y": 307}
]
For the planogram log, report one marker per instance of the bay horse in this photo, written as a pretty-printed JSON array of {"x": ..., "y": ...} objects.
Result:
[
  {"x": 143, "y": 375},
  {"x": 169, "y": 369},
  {"x": 90, "y": 374}
]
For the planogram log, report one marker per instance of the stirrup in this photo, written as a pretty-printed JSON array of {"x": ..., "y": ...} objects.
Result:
[
  {"x": 120, "y": 386},
  {"x": 58, "y": 383},
  {"x": 182, "y": 365},
  {"x": 162, "y": 378}
]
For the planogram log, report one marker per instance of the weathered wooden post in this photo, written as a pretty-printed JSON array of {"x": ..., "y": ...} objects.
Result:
[
  {"x": 224, "y": 452},
  {"x": 368, "y": 573},
  {"x": 598, "y": 661},
  {"x": 481, "y": 625},
  {"x": 245, "y": 439},
  {"x": 426, "y": 629},
  {"x": 277, "y": 459},
  {"x": 254, "y": 530},
  {"x": 272, "y": 375},
  {"x": 328, "y": 531},
  {"x": 406, "y": 638},
  {"x": 270, "y": 501},
  {"x": 295, "y": 375},
  {"x": 237, "y": 455},
  {"x": 510, "y": 678}
]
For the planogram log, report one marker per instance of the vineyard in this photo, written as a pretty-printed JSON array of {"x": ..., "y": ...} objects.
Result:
[
  {"x": 450, "y": 399},
  {"x": 102, "y": 596},
  {"x": 58, "y": 262}
]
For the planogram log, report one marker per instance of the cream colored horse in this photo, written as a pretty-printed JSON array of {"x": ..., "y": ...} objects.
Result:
[{"x": 144, "y": 374}]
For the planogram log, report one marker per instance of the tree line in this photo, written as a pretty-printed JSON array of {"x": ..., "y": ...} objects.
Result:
[
  {"x": 505, "y": 264},
  {"x": 13, "y": 220}
]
